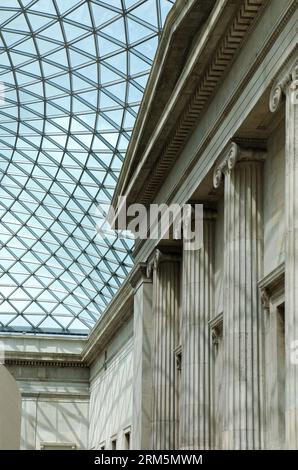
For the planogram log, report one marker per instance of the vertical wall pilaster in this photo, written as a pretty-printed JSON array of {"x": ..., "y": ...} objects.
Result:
[
  {"x": 288, "y": 86},
  {"x": 196, "y": 311},
  {"x": 142, "y": 373},
  {"x": 242, "y": 320},
  {"x": 166, "y": 292}
]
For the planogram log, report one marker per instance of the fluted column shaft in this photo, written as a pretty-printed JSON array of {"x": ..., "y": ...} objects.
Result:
[
  {"x": 291, "y": 265},
  {"x": 243, "y": 316},
  {"x": 288, "y": 87},
  {"x": 197, "y": 309},
  {"x": 166, "y": 287},
  {"x": 242, "y": 309}
]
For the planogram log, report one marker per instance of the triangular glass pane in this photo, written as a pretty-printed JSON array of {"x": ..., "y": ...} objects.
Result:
[
  {"x": 44, "y": 6},
  {"x": 138, "y": 65},
  {"x": 80, "y": 15},
  {"x": 101, "y": 14},
  {"x": 147, "y": 12},
  {"x": 5, "y": 15},
  {"x": 137, "y": 31},
  {"x": 116, "y": 29},
  {"x": 106, "y": 46},
  {"x": 72, "y": 32},
  {"x": 52, "y": 32},
  {"x": 19, "y": 23},
  {"x": 64, "y": 6},
  {"x": 38, "y": 21},
  {"x": 12, "y": 38}
]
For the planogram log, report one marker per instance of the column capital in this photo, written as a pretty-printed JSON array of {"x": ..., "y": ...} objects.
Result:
[
  {"x": 158, "y": 257},
  {"x": 287, "y": 82},
  {"x": 233, "y": 154},
  {"x": 138, "y": 275}
]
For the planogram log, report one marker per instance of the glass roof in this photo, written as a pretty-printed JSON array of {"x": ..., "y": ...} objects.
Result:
[{"x": 72, "y": 76}]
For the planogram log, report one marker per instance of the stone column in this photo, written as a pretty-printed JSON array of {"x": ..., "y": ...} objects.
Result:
[
  {"x": 288, "y": 86},
  {"x": 196, "y": 312},
  {"x": 142, "y": 373},
  {"x": 166, "y": 291},
  {"x": 243, "y": 316}
]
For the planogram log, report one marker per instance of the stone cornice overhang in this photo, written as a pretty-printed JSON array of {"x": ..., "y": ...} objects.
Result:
[
  {"x": 231, "y": 108},
  {"x": 184, "y": 21},
  {"x": 42, "y": 350},
  {"x": 86, "y": 351},
  {"x": 212, "y": 55},
  {"x": 42, "y": 361}
]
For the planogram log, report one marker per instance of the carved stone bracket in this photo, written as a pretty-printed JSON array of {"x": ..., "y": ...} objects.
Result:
[
  {"x": 153, "y": 262},
  {"x": 272, "y": 285},
  {"x": 227, "y": 164},
  {"x": 231, "y": 156},
  {"x": 288, "y": 81},
  {"x": 265, "y": 299},
  {"x": 216, "y": 329},
  {"x": 178, "y": 357}
]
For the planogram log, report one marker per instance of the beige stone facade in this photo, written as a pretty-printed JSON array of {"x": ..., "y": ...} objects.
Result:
[{"x": 198, "y": 348}]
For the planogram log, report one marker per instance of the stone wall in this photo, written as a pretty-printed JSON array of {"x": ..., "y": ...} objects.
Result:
[
  {"x": 55, "y": 404},
  {"x": 111, "y": 392}
]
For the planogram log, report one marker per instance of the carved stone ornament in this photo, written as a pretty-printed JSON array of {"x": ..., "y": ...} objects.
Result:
[
  {"x": 231, "y": 156},
  {"x": 227, "y": 164},
  {"x": 153, "y": 262},
  {"x": 271, "y": 285},
  {"x": 275, "y": 98},
  {"x": 288, "y": 81},
  {"x": 265, "y": 299},
  {"x": 216, "y": 329}
]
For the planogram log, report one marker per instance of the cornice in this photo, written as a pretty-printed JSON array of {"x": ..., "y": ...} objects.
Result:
[
  {"x": 221, "y": 60},
  {"x": 185, "y": 19},
  {"x": 35, "y": 362},
  {"x": 229, "y": 106},
  {"x": 183, "y": 180},
  {"x": 117, "y": 313},
  {"x": 247, "y": 77},
  {"x": 272, "y": 284},
  {"x": 59, "y": 445},
  {"x": 40, "y": 394}
]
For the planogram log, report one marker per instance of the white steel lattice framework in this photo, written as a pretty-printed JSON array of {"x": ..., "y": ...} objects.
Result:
[{"x": 72, "y": 77}]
